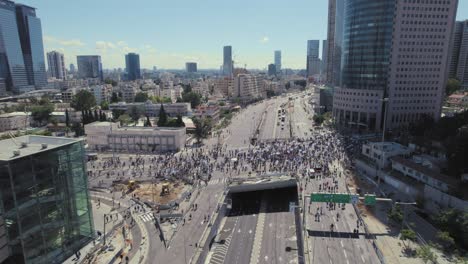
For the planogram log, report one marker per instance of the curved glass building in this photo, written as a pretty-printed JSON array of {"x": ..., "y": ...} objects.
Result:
[{"x": 367, "y": 39}]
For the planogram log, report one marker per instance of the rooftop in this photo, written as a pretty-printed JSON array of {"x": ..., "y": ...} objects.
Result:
[
  {"x": 12, "y": 114},
  {"x": 33, "y": 144}
]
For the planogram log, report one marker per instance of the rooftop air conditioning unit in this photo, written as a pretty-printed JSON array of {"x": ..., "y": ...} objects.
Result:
[
  {"x": 16, "y": 153},
  {"x": 44, "y": 145},
  {"x": 24, "y": 145}
]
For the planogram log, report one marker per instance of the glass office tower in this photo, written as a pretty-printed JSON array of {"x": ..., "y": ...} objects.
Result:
[
  {"x": 132, "y": 63},
  {"x": 44, "y": 198}
]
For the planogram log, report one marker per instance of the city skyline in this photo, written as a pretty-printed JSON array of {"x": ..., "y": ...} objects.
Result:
[{"x": 161, "y": 40}]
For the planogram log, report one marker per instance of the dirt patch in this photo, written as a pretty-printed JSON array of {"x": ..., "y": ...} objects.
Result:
[{"x": 153, "y": 192}]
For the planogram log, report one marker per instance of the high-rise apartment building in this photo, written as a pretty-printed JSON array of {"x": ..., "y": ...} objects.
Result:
[
  {"x": 89, "y": 66},
  {"x": 278, "y": 60},
  {"x": 334, "y": 42},
  {"x": 46, "y": 211},
  {"x": 396, "y": 67},
  {"x": 132, "y": 64},
  {"x": 459, "y": 56},
  {"x": 56, "y": 64},
  {"x": 72, "y": 68},
  {"x": 227, "y": 61},
  {"x": 313, "y": 60},
  {"x": 22, "y": 63},
  {"x": 271, "y": 69},
  {"x": 248, "y": 87},
  {"x": 191, "y": 67}
]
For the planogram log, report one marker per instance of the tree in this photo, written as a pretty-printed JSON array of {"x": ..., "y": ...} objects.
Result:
[
  {"x": 102, "y": 116},
  {"x": 180, "y": 122},
  {"x": 96, "y": 116},
  {"x": 426, "y": 254},
  {"x": 162, "y": 120},
  {"x": 41, "y": 113},
  {"x": 202, "y": 128},
  {"x": 395, "y": 214},
  {"x": 193, "y": 98},
  {"x": 67, "y": 118},
  {"x": 407, "y": 234},
  {"x": 124, "y": 119},
  {"x": 104, "y": 105},
  {"x": 110, "y": 81},
  {"x": 141, "y": 97},
  {"x": 117, "y": 113},
  {"x": 453, "y": 85},
  {"x": 78, "y": 129},
  {"x": 83, "y": 100},
  {"x": 134, "y": 113},
  {"x": 115, "y": 98},
  {"x": 166, "y": 100},
  {"x": 148, "y": 122},
  {"x": 446, "y": 240},
  {"x": 318, "y": 119}
]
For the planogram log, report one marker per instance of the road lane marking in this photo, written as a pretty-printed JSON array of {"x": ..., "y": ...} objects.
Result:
[
  {"x": 363, "y": 260},
  {"x": 341, "y": 242}
]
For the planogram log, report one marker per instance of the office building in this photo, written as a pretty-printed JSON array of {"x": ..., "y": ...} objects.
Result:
[
  {"x": 132, "y": 64},
  {"x": 459, "y": 56},
  {"x": 22, "y": 63},
  {"x": 334, "y": 42},
  {"x": 56, "y": 64},
  {"x": 278, "y": 61},
  {"x": 227, "y": 61},
  {"x": 324, "y": 58},
  {"x": 30, "y": 33},
  {"x": 271, "y": 69},
  {"x": 89, "y": 66},
  {"x": 313, "y": 60},
  {"x": 72, "y": 68},
  {"x": 102, "y": 136},
  {"x": 45, "y": 201},
  {"x": 248, "y": 87},
  {"x": 402, "y": 59},
  {"x": 191, "y": 67}
]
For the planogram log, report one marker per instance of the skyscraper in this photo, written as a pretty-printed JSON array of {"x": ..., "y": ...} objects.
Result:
[
  {"x": 191, "y": 67},
  {"x": 334, "y": 42},
  {"x": 278, "y": 60},
  {"x": 395, "y": 68},
  {"x": 271, "y": 69},
  {"x": 89, "y": 66},
  {"x": 72, "y": 68},
  {"x": 227, "y": 61},
  {"x": 324, "y": 58},
  {"x": 30, "y": 33},
  {"x": 459, "y": 56},
  {"x": 56, "y": 64},
  {"x": 132, "y": 62},
  {"x": 46, "y": 209},
  {"x": 22, "y": 64},
  {"x": 313, "y": 60}
]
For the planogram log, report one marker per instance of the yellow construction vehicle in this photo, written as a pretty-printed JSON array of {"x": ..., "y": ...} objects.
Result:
[{"x": 165, "y": 189}]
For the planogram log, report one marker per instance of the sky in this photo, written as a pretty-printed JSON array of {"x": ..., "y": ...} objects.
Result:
[{"x": 168, "y": 33}]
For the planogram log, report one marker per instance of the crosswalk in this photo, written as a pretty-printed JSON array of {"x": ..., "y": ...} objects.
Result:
[
  {"x": 217, "y": 181},
  {"x": 147, "y": 217},
  {"x": 220, "y": 252}
]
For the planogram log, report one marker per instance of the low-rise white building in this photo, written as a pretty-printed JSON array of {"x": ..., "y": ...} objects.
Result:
[
  {"x": 152, "y": 110},
  {"x": 15, "y": 121},
  {"x": 381, "y": 152},
  {"x": 107, "y": 136}
]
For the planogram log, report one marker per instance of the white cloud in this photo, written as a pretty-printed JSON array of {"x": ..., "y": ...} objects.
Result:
[
  {"x": 122, "y": 43},
  {"x": 265, "y": 39},
  {"x": 63, "y": 42},
  {"x": 104, "y": 46}
]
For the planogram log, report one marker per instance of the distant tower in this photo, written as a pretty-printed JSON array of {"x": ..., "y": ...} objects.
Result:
[
  {"x": 227, "y": 61},
  {"x": 132, "y": 64},
  {"x": 313, "y": 61},
  {"x": 278, "y": 60},
  {"x": 72, "y": 68},
  {"x": 56, "y": 64}
]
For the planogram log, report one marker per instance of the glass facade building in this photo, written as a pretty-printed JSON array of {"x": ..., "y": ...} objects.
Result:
[
  {"x": 367, "y": 43},
  {"x": 227, "y": 61},
  {"x": 44, "y": 198},
  {"x": 132, "y": 64},
  {"x": 334, "y": 42},
  {"x": 90, "y": 67}
]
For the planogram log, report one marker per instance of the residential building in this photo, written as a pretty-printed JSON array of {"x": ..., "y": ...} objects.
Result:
[
  {"x": 459, "y": 55},
  {"x": 278, "y": 60},
  {"x": 191, "y": 67},
  {"x": 22, "y": 63},
  {"x": 56, "y": 64},
  {"x": 104, "y": 136},
  {"x": 334, "y": 42},
  {"x": 271, "y": 69},
  {"x": 152, "y": 110},
  {"x": 381, "y": 152},
  {"x": 459, "y": 99},
  {"x": 101, "y": 93},
  {"x": 89, "y": 66},
  {"x": 132, "y": 63},
  {"x": 45, "y": 199},
  {"x": 386, "y": 68},
  {"x": 15, "y": 121},
  {"x": 227, "y": 61},
  {"x": 223, "y": 86},
  {"x": 128, "y": 90},
  {"x": 207, "y": 111},
  {"x": 248, "y": 87}
]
